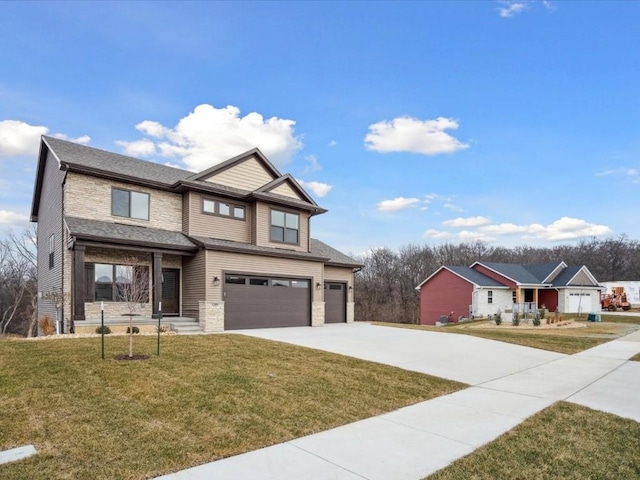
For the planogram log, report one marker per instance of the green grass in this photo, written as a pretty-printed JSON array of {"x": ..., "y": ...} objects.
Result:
[
  {"x": 561, "y": 340},
  {"x": 564, "y": 441},
  {"x": 204, "y": 398}
]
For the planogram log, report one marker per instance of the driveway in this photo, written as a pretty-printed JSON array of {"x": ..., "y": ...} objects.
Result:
[{"x": 510, "y": 383}]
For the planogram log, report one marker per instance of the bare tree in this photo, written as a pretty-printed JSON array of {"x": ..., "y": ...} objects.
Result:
[{"x": 132, "y": 287}]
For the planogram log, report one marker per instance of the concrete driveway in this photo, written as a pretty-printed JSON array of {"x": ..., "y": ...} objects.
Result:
[{"x": 510, "y": 382}]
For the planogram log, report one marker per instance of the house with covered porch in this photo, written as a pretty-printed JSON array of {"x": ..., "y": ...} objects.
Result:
[{"x": 484, "y": 288}]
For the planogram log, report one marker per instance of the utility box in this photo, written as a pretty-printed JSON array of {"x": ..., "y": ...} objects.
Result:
[{"x": 594, "y": 317}]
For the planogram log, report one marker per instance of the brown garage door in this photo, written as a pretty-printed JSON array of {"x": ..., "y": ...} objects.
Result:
[
  {"x": 262, "y": 302},
  {"x": 335, "y": 302}
]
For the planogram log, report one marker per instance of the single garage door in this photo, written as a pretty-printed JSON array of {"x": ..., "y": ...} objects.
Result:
[
  {"x": 579, "y": 302},
  {"x": 335, "y": 302},
  {"x": 263, "y": 302}
]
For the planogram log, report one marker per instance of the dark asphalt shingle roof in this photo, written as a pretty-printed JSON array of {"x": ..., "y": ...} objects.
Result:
[
  {"x": 321, "y": 249},
  {"x": 86, "y": 229},
  {"x": 231, "y": 246},
  {"x": 474, "y": 276},
  {"x": 519, "y": 273},
  {"x": 563, "y": 278},
  {"x": 95, "y": 159},
  {"x": 542, "y": 270}
]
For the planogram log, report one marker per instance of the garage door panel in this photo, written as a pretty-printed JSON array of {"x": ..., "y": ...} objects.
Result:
[
  {"x": 258, "y": 306},
  {"x": 335, "y": 306}
]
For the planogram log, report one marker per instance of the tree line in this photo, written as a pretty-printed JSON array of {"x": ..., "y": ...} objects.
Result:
[{"x": 385, "y": 287}]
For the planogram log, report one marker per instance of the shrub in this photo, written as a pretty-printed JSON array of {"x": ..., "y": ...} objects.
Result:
[
  {"x": 47, "y": 325},
  {"x": 542, "y": 312},
  {"x": 106, "y": 330},
  {"x": 498, "y": 318},
  {"x": 516, "y": 319},
  {"x": 161, "y": 329},
  {"x": 536, "y": 320},
  {"x": 135, "y": 330}
]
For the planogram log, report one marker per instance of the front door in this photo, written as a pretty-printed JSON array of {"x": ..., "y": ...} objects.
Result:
[{"x": 170, "y": 291}]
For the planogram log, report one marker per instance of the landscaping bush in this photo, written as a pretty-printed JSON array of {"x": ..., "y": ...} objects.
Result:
[
  {"x": 536, "y": 320},
  {"x": 516, "y": 319},
  {"x": 106, "y": 330},
  {"x": 498, "y": 318},
  {"x": 161, "y": 329},
  {"x": 135, "y": 330},
  {"x": 47, "y": 325}
]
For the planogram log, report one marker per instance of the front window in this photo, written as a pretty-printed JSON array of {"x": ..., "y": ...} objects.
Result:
[
  {"x": 126, "y": 203},
  {"x": 490, "y": 296},
  {"x": 121, "y": 283},
  {"x": 285, "y": 227}
]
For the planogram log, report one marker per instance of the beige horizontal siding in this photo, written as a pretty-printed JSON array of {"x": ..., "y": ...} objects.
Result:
[
  {"x": 340, "y": 274},
  {"x": 263, "y": 228},
  {"x": 214, "y": 226},
  {"x": 581, "y": 279},
  {"x": 219, "y": 262},
  {"x": 194, "y": 279},
  {"x": 286, "y": 190},
  {"x": 90, "y": 197},
  {"x": 248, "y": 175}
]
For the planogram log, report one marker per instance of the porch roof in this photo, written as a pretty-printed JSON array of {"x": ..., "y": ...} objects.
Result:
[{"x": 109, "y": 232}]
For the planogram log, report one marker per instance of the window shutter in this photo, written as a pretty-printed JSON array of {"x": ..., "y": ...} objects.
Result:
[{"x": 89, "y": 282}]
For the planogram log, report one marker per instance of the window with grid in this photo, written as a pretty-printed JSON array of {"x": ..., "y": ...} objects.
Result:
[{"x": 285, "y": 227}]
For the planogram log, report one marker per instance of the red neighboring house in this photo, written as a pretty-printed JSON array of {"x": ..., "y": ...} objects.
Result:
[{"x": 485, "y": 288}]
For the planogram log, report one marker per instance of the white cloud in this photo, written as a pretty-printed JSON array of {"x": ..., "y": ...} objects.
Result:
[
  {"x": 333, "y": 143},
  {"x": 318, "y": 188},
  {"x": 12, "y": 218},
  {"x": 406, "y": 134},
  {"x": 138, "y": 148},
  {"x": 313, "y": 165},
  {"x": 511, "y": 8},
  {"x": 453, "y": 208},
  {"x": 504, "y": 229},
  {"x": 567, "y": 228},
  {"x": 461, "y": 222},
  {"x": 431, "y": 233},
  {"x": 19, "y": 138},
  {"x": 210, "y": 135},
  {"x": 399, "y": 203},
  {"x": 469, "y": 236},
  {"x": 631, "y": 174}
]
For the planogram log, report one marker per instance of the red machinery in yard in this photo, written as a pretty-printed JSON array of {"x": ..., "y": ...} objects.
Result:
[{"x": 614, "y": 301}]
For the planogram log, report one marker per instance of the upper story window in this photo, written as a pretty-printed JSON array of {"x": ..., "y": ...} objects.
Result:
[
  {"x": 52, "y": 246},
  {"x": 224, "y": 209},
  {"x": 285, "y": 227},
  {"x": 127, "y": 203}
]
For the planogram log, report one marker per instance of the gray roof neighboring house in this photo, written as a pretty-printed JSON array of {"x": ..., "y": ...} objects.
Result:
[
  {"x": 474, "y": 276},
  {"x": 542, "y": 270},
  {"x": 96, "y": 230}
]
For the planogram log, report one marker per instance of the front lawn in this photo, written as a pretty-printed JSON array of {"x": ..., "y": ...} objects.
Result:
[
  {"x": 565, "y": 441},
  {"x": 204, "y": 398}
]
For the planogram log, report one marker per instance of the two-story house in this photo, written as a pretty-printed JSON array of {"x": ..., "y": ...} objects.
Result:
[{"x": 229, "y": 247}]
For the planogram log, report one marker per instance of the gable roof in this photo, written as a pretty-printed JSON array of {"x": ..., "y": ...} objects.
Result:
[
  {"x": 522, "y": 274},
  {"x": 232, "y": 162},
  {"x": 564, "y": 278},
  {"x": 289, "y": 180},
  {"x": 466, "y": 273}
]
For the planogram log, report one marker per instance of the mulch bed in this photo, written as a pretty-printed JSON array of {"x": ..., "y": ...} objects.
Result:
[{"x": 136, "y": 356}]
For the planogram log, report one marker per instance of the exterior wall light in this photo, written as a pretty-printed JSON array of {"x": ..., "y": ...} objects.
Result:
[
  {"x": 351, "y": 288},
  {"x": 318, "y": 286},
  {"x": 216, "y": 281}
]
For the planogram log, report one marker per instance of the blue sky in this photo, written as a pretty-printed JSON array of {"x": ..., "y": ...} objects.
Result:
[{"x": 421, "y": 122}]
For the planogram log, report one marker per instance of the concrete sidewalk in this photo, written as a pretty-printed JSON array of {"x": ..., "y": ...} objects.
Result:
[{"x": 511, "y": 384}]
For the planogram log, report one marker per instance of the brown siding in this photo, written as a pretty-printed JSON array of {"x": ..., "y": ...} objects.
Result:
[
  {"x": 263, "y": 224},
  {"x": 90, "y": 197},
  {"x": 186, "y": 199},
  {"x": 444, "y": 293},
  {"x": 219, "y": 262},
  {"x": 194, "y": 283},
  {"x": 248, "y": 175},
  {"x": 341, "y": 274},
  {"x": 214, "y": 226},
  {"x": 50, "y": 223}
]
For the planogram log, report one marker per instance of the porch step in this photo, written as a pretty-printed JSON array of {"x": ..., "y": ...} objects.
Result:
[{"x": 186, "y": 328}]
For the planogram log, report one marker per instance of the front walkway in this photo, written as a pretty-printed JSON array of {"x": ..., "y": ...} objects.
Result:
[{"x": 510, "y": 383}]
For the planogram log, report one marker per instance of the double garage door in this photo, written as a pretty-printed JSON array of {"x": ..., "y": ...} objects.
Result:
[{"x": 264, "y": 302}]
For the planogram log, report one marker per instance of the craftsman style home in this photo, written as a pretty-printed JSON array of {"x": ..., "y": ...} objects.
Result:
[
  {"x": 227, "y": 248},
  {"x": 485, "y": 288}
]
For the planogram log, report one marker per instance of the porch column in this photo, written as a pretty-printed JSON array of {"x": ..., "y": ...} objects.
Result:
[
  {"x": 157, "y": 282},
  {"x": 535, "y": 296},
  {"x": 518, "y": 295},
  {"x": 78, "y": 283}
]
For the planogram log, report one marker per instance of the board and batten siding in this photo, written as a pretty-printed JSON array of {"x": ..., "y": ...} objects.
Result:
[
  {"x": 90, "y": 197},
  {"x": 215, "y": 226},
  {"x": 194, "y": 283},
  {"x": 219, "y": 262},
  {"x": 248, "y": 175},
  {"x": 50, "y": 211},
  {"x": 263, "y": 228}
]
